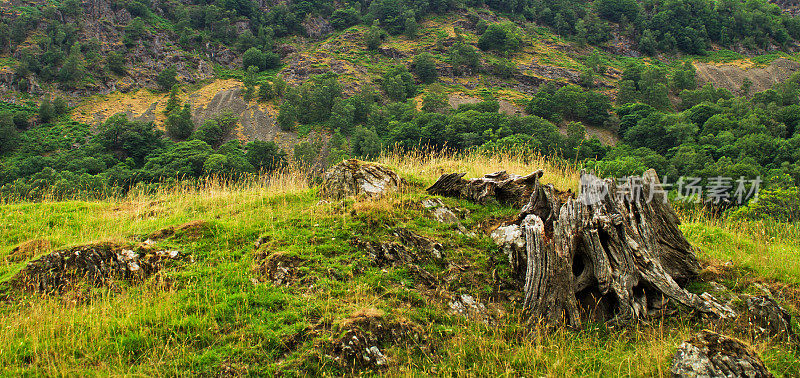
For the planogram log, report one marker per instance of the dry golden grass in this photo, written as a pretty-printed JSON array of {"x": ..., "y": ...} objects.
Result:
[{"x": 428, "y": 165}]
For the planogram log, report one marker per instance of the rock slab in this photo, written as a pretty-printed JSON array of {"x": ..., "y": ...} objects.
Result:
[
  {"x": 709, "y": 354},
  {"x": 352, "y": 178}
]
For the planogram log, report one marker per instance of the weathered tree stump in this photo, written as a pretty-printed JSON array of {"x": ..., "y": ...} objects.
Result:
[
  {"x": 601, "y": 256},
  {"x": 508, "y": 189}
]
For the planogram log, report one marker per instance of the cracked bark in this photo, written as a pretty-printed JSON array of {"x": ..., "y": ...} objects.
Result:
[{"x": 616, "y": 258}]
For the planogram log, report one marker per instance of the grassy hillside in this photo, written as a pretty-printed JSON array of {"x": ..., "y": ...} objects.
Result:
[{"x": 223, "y": 313}]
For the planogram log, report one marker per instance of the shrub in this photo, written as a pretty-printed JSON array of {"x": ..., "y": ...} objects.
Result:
[
  {"x": 166, "y": 79},
  {"x": 425, "y": 67},
  {"x": 179, "y": 123},
  {"x": 266, "y": 156}
]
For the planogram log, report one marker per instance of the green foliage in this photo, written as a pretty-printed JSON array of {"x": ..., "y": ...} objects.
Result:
[
  {"x": 132, "y": 139},
  {"x": 464, "y": 58},
  {"x": 685, "y": 78},
  {"x": 210, "y": 132},
  {"x": 265, "y": 156},
  {"x": 344, "y": 18},
  {"x": 181, "y": 160},
  {"x": 435, "y": 100},
  {"x": 501, "y": 37},
  {"x": 173, "y": 102},
  {"x": 374, "y": 37},
  {"x": 366, "y": 143},
  {"x": 616, "y": 10},
  {"x": 781, "y": 203},
  {"x": 8, "y": 134},
  {"x": 570, "y": 102},
  {"x": 166, "y": 79},
  {"x": 504, "y": 68},
  {"x": 305, "y": 153},
  {"x": 425, "y": 67},
  {"x": 253, "y": 57},
  {"x": 60, "y": 106},
  {"x": 399, "y": 84},
  {"x": 287, "y": 116},
  {"x": 179, "y": 123},
  {"x": 46, "y": 111}
]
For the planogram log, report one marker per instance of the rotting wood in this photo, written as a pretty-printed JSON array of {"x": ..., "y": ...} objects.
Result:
[{"x": 613, "y": 254}]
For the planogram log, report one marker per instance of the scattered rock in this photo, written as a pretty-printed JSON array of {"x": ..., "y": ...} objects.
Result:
[
  {"x": 356, "y": 178},
  {"x": 468, "y": 307},
  {"x": 281, "y": 268},
  {"x": 365, "y": 332},
  {"x": 316, "y": 27},
  {"x": 192, "y": 230},
  {"x": 429, "y": 247},
  {"x": 511, "y": 240},
  {"x": 28, "y": 250},
  {"x": 395, "y": 254},
  {"x": 443, "y": 214},
  {"x": 768, "y": 318},
  {"x": 710, "y": 354},
  {"x": 263, "y": 240},
  {"x": 412, "y": 250},
  {"x": 99, "y": 264}
]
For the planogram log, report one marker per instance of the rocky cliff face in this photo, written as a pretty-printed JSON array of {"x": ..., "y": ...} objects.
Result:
[{"x": 104, "y": 23}]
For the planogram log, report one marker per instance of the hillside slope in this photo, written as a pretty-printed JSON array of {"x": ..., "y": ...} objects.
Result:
[{"x": 294, "y": 301}]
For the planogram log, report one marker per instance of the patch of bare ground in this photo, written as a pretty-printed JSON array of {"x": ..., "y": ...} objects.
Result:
[
  {"x": 28, "y": 250},
  {"x": 191, "y": 230},
  {"x": 731, "y": 77}
]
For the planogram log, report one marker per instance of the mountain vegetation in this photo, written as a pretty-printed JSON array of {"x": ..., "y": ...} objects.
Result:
[{"x": 120, "y": 120}]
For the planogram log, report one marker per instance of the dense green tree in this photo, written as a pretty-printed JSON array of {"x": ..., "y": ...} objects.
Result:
[
  {"x": 173, "y": 102},
  {"x": 374, "y": 36},
  {"x": 166, "y": 79},
  {"x": 265, "y": 156},
  {"x": 115, "y": 62},
  {"x": 46, "y": 111},
  {"x": 287, "y": 116},
  {"x": 685, "y": 77},
  {"x": 615, "y": 10},
  {"x": 132, "y": 139},
  {"x": 8, "y": 135},
  {"x": 179, "y": 123},
  {"x": 435, "y": 100},
  {"x": 210, "y": 132},
  {"x": 253, "y": 57},
  {"x": 501, "y": 37},
  {"x": 504, "y": 68},
  {"x": 425, "y": 67},
  {"x": 464, "y": 58},
  {"x": 399, "y": 84},
  {"x": 366, "y": 143},
  {"x": 60, "y": 106},
  {"x": 344, "y": 18}
]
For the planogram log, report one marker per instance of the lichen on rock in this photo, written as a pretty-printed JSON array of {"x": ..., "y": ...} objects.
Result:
[{"x": 352, "y": 178}]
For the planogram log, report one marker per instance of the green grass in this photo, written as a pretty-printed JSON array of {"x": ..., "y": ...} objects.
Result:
[
  {"x": 769, "y": 255},
  {"x": 208, "y": 316}
]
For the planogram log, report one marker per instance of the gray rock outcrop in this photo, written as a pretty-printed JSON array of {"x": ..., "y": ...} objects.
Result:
[
  {"x": 709, "y": 354},
  {"x": 352, "y": 178}
]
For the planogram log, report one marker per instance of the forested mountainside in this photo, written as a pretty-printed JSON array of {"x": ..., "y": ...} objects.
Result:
[{"x": 101, "y": 96}]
